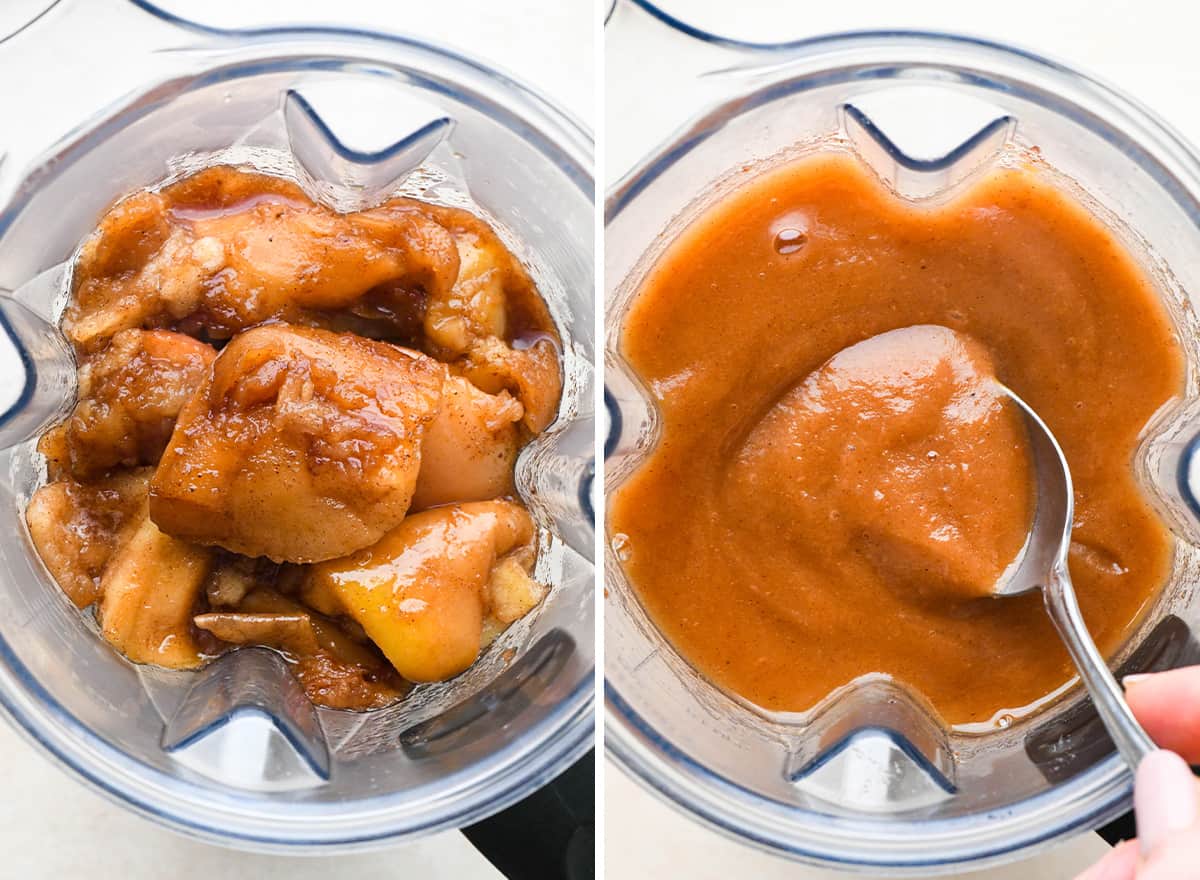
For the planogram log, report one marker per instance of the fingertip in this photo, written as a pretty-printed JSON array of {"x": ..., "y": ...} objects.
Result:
[
  {"x": 1168, "y": 706},
  {"x": 1176, "y": 859},
  {"x": 1164, "y": 797}
]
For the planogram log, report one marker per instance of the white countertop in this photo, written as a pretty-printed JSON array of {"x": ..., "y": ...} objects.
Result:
[
  {"x": 52, "y": 826},
  {"x": 644, "y": 838}
]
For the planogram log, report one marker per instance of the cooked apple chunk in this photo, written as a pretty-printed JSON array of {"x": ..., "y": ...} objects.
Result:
[
  {"x": 76, "y": 527},
  {"x": 227, "y": 250},
  {"x": 530, "y": 374},
  {"x": 149, "y": 591},
  {"x": 302, "y": 445},
  {"x": 492, "y": 322},
  {"x": 129, "y": 397},
  {"x": 469, "y": 448},
  {"x": 422, "y": 593},
  {"x": 512, "y": 592},
  {"x": 334, "y": 668}
]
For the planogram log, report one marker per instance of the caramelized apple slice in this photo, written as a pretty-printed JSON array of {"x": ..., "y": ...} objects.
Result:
[
  {"x": 492, "y": 321},
  {"x": 474, "y": 308},
  {"x": 469, "y": 448},
  {"x": 238, "y": 249},
  {"x": 334, "y": 669},
  {"x": 287, "y": 632},
  {"x": 531, "y": 375},
  {"x": 512, "y": 592},
  {"x": 421, "y": 593}
]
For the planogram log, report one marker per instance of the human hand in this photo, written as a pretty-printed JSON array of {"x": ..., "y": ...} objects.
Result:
[{"x": 1166, "y": 793}]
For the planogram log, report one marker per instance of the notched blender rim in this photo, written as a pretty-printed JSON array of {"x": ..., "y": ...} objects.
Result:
[
  {"x": 469, "y": 794},
  {"x": 581, "y": 131},
  {"x": 781, "y": 55},
  {"x": 1093, "y": 797}
]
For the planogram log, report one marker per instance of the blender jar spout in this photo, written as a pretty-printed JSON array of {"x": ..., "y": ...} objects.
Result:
[
  {"x": 916, "y": 178},
  {"x": 347, "y": 174}
]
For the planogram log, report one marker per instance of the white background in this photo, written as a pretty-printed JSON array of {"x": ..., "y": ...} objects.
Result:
[
  {"x": 1147, "y": 48},
  {"x": 53, "y": 827}
]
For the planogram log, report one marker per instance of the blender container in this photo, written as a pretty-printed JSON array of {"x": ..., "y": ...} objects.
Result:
[
  {"x": 869, "y": 779},
  {"x": 235, "y": 753}
]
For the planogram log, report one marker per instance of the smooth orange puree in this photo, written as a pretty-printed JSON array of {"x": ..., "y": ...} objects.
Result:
[{"x": 840, "y": 482}]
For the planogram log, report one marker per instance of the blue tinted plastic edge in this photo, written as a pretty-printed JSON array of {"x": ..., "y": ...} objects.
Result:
[
  {"x": 715, "y": 39},
  {"x": 898, "y": 739},
  {"x": 31, "y": 22},
  {"x": 585, "y": 493},
  {"x": 1000, "y": 123},
  {"x": 615, "y": 423},
  {"x": 630, "y": 765},
  {"x": 442, "y": 124},
  {"x": 30, "y": 367},
  {"x": 1182, "y": 481}
]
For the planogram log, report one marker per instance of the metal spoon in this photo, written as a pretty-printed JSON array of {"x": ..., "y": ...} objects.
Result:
[{"x": 1043, "y": 566}]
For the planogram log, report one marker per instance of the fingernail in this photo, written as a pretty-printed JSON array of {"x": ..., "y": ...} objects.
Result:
[
  {"x": 1164, "y": 797},
  {"x": 1134, "y": 679}
]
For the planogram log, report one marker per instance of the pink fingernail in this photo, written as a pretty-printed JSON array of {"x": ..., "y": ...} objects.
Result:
[
  {"x": 1164, "y": 797},
  {"x": 1134, "y": 679}
]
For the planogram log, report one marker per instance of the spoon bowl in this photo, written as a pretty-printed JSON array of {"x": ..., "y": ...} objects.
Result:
[{"x": 1043, "y": 566}]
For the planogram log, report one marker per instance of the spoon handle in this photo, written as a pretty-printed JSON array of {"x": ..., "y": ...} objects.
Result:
[{"x": 1131, "y": 740}]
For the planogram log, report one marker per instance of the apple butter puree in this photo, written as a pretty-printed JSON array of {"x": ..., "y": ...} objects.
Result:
[
  {"x": 909, "y": 459},
  {"x": 826, "y": 502}
]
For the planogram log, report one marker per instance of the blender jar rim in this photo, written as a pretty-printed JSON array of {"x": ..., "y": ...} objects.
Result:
[{"x": 779, "y": 56}]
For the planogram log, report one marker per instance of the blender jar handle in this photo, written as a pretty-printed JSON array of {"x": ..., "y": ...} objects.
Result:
[{"x": 690, "y": 67}]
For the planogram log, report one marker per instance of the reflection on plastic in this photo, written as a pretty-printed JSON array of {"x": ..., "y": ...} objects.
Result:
[
  {"x": 517, "y": 688},
  {"x": 1077, "y": 739},
  {"x": 879, "y": 750},
  {"x": 247, "y": 722},
  {"x": 351, "y": 175},
  {"x": 39, "y": 370}
]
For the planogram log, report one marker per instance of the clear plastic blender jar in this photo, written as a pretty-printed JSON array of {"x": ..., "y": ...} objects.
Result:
[
  {"x": 868, "y": 780},
  {"x": 229, "y": 753}
]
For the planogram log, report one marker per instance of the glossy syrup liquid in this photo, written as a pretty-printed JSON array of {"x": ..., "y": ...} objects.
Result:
[{"x": 764, "y": 288}]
